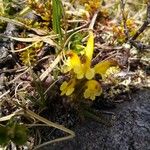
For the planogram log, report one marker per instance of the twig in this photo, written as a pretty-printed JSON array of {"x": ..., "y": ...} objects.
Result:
[
  {"x": 13, "y": 21},
  {"x": 16, "y": 70},
  {"x": 138, "y": 44},
  {"x": 140, "y": 30},
  {"x": 124, "y": 19},
  {"x": 19, "y": 76},
  {"x": 16, "y": 89},
  {"x": 27, "y": 47},
  {"x": 91, "y": 26},
  {"x": 145, "y": 24},
  {"x": 8, "y": 117},
  {"x": 53, "y": 141}
]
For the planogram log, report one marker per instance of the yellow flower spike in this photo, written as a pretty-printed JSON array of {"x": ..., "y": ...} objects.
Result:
[
  {"x": 68, "y": 87},
  {"x": 83, "y": 68},
  {"x": 93, "y": 89},
  {"x": 63, "y": 86},
  {"x": 102, "y": 67}
]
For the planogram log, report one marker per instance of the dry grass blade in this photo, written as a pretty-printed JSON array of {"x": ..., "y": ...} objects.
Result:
[
  {"x": 52, "y": 66},
  {"x": 31, "y": 114},
  {"x": 47, "y": 39},
  {"x": 8, "y": 117},
  {"x": 51, "y": 124},
  {"x": 7, "y": 92},
  {"x": 13, "y": 21}
]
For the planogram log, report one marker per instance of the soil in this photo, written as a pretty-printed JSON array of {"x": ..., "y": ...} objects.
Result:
[{"x": 131, "y": 130}]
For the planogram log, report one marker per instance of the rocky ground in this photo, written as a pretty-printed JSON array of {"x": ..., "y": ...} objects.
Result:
[{"x": 131, "y": 130}]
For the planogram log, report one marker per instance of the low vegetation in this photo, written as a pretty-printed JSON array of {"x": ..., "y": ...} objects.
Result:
[{"x": 67, "y": 55}]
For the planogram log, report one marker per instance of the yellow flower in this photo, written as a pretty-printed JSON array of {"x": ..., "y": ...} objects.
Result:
[
  {"x": 68, "y": 87},
  {"x": 102, "y": 67},
  {"x": 74, "y": 63},
  {"x": 81, "y": 68},
  {"x": 93, "y": 89}
]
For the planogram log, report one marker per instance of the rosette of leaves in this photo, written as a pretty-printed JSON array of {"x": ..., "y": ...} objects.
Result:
[
  {"x": 15, "y": 132},
  {"x": 76, "y": 42}
]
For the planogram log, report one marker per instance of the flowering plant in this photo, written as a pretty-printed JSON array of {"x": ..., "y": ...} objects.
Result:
[{"x": 81, "y": 71}]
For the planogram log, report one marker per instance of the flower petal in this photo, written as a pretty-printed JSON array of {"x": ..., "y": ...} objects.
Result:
[
  {"x": 68, "y": 87},
  {"x": 63, "y": 86},
  {"x": 90, "y": 73},
  {"x": 93, "y": 89},
  {"x": 86, "y": 93},
  {"x": 92, "y": 97},
  {"x": 102, "y": 67},
  {"x": 90, "y": 46},
  {"x": 69, "y": 91}
]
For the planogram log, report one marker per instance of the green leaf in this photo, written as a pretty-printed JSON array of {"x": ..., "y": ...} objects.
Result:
[
  {"x": 76, "y": 42},
  {"x": 57, "y": 15},
  {"x": 4, "y": 139},
  {"x": 20, "y": 135}
]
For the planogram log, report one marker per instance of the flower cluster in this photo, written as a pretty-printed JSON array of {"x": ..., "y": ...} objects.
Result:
[{"x": 80, "y": 69}]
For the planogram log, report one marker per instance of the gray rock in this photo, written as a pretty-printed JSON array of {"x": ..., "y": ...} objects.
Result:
[
  {"x": 3, "y": 52},
  {"x": 6, "y": 44},
  {"x": 11, "y": 30},
  {"x": 131, "y": 130},
  {"x": 6, "y": 58}
]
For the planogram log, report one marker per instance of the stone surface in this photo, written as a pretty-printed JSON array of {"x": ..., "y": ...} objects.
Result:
[
  {"x": 131, "y": 131},
  {"x": 3, "y": 54},
  {"x": 6, "y": 44}
]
